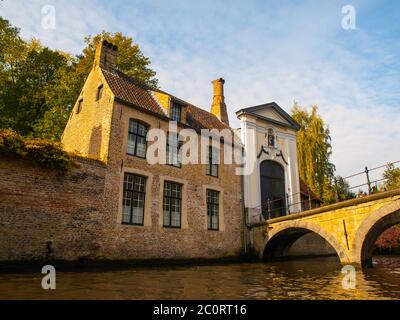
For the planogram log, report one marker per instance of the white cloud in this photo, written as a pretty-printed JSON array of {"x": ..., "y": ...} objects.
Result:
[{"x": 266, "y": 53}]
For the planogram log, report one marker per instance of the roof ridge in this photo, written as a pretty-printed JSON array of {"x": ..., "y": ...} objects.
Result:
[
  {"x": 134, "y": 92},
  {"x": 147, "y": 87},
  {"x": 203, "y": 110}
]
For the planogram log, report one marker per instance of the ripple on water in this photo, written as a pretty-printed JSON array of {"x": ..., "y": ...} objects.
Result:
[{"x": 304, "y": 279}]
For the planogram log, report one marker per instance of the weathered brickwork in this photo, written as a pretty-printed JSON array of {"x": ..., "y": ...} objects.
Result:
[
  {"x": 39, "y": 205},
  {"x": 81, "y": 212},
  {"x": 194, "y": 240},
  {"x": 350, "y": 227},
  {"x": 88, "y": 130}
]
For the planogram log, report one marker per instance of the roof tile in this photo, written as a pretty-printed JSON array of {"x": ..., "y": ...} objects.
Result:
[{"x": 132, "y": 92}]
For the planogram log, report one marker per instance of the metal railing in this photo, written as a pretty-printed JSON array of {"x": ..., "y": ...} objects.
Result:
[{"x": 286, "y": 206}]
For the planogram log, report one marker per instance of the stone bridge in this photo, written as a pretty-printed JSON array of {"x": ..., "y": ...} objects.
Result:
[{"x": 348, "y": 228}]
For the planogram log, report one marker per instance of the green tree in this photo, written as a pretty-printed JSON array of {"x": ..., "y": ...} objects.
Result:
[
  {"x": 25, "y": 99},
  {"x": 12, "y": 52},
  {"x": 130, "y": 59},
  {"x": 342, "y": 189},
  {"x": 392, "y": 176},
  {"x": 314, "y": 152},
  {"x": 39, "y": 86},
  {"x": 62, "y": 97}
]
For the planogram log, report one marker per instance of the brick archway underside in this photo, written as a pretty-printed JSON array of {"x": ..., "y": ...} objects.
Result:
[
  {"x": 298, "y": 228},
  {"x": 370, "y": 230}
]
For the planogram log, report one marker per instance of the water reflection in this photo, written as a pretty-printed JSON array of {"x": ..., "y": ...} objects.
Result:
[{"x": 306, "y": 279}]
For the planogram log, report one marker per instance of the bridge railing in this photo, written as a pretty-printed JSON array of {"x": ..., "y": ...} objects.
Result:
[{"x": 367, "y": 182}]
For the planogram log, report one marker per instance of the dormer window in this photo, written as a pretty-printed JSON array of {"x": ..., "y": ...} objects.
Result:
[
  {"x": 176, "y": 112},
  {"x": 99, "y": 93}
]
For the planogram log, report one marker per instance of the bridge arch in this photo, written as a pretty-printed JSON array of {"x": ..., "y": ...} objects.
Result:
[
  {"x": 370, "y": 230},
  {"x": 289, "y": 232}
]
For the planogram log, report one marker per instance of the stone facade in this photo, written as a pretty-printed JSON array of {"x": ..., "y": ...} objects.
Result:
[
  {"x": 80, "y": 213},
  {"x": 39, "y": 206},
  {"x": 257, "y": 125},
  {"x": 193, "y": 240},
  {"x": 351, "y": 227}
]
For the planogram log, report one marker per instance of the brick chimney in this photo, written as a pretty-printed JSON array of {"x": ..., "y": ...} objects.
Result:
[
  {"x": 218, "y": 107},
  {"x": 106, "y": 55}
]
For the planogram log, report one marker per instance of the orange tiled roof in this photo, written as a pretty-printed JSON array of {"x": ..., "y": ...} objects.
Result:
[
  {"x": 128, "y": 90},
  {"x": 132, "y": 92}
]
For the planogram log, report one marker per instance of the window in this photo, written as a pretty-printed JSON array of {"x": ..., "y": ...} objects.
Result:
[
  {"x": 176, "y": 112},
  {"x": 133, "y": 199},
  {"x": 99, "y": 92},
  {"x": 271, "y": 138},
  {"x": 212, "y": 162},
  {"x": 213, "y": 210},
  {"x": 79, "y": 108},
  {"x": 174, "y": 154},
  {"x": 172, "y": 205},
  {"x": 137, "y": 145}
]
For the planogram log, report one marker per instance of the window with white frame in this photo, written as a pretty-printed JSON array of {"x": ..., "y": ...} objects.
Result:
[
  {"x": 172, "y": 205},
  {"x": 212, "y": 161},
  {"x": 133, "y": 199},
  {"x": 137, "y": 133},
  {"x": 212, "y": 210},
  {"x": 174, "y": 152},
  {"x": 176, "y": 112}
]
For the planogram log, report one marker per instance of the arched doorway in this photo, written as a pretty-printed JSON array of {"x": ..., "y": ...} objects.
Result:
[{"x": 273, "y": 196}]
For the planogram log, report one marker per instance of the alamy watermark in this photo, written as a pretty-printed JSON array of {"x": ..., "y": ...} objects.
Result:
[
  {"x": 49, "y": 19},
  {"x": 188, "y": 147},
  {"x": 349, "y": 280},
  {"x": 349, "y": 18},
  {"x": 49, "y": 280}
]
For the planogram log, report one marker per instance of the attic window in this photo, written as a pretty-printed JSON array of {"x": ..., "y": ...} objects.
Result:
[
  {"x": 176, "y": 112},
  {"x": 99, "y": 92},
  {"x": 79, "y": 108}
]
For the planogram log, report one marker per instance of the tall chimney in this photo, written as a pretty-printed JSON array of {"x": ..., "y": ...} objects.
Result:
[
  {"x": 106, "y": 55},
  {"x": 218, "y": 107}
]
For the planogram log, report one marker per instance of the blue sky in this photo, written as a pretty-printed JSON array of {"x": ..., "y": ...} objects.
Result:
[{"x": 266, "y": 50}]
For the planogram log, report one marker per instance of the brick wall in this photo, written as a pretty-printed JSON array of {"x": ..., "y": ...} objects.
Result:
[
  {"x": 80, "y": 212},
  {"x": 153, "y": 240},
  {"x": 39, "y": 205}
]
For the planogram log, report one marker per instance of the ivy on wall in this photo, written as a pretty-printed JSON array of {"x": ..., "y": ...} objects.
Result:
[{"x": 46, "y": 153}]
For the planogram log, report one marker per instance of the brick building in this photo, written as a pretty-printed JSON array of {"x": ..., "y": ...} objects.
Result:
[
  {"x": 126, "y": 207},
  {"x": 154, "y": 210}
]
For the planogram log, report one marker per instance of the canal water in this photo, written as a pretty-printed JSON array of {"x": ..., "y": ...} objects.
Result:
[{"x": 302, "y": 279}]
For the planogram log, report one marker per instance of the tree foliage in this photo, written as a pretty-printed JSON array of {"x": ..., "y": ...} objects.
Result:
[
  {"x": 389, "y": 241},
  {"x": 392, "y": 176},
  {"x": 342, "y": 189},
  {"x": 314, "y": 152},
  {"x": 39, "y": 86},
  {"x": 46, "y": 153},
  {"x": 130, "y": 58}
]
